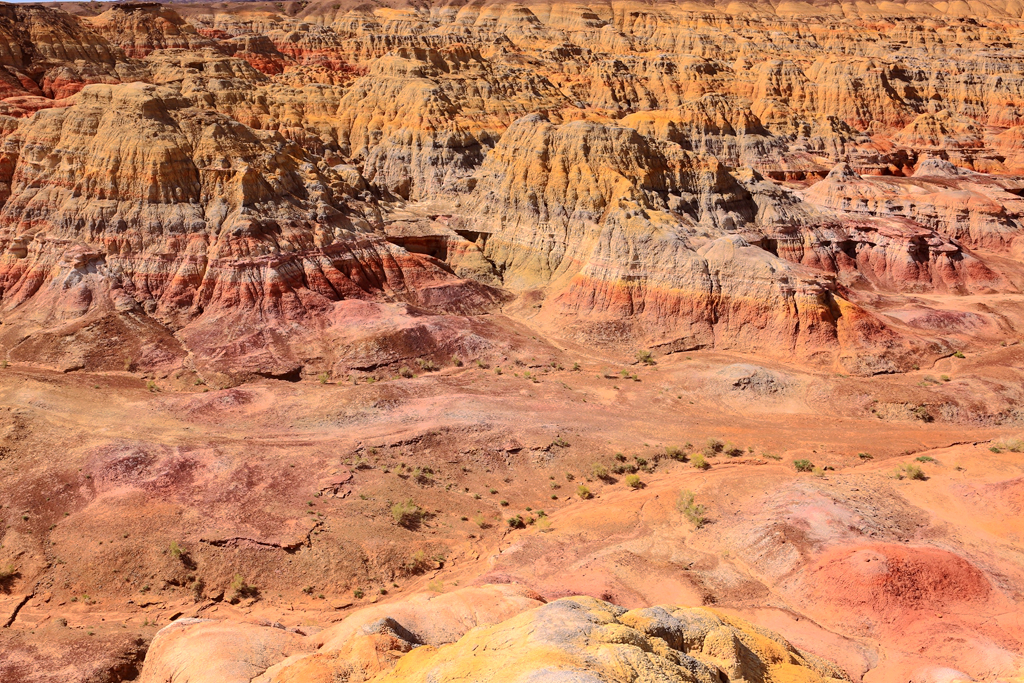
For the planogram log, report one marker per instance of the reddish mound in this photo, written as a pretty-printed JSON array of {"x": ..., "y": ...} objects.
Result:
[{"x": 891, "y": 583}]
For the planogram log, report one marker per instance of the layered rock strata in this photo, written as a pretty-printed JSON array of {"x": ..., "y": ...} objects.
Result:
[{"x": 658, "y": 176}]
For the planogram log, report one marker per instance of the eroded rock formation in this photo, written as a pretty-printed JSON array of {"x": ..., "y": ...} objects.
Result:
[
  {"x": 493, "y": 633},
  {"x": 658, "y": 176}
]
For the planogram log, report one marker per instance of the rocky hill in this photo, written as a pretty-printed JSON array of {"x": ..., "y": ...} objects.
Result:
[{"x": 493, "y": 633}]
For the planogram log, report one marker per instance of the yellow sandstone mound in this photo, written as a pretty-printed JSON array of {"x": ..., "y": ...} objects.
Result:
[{"x": 489, "y": 633}]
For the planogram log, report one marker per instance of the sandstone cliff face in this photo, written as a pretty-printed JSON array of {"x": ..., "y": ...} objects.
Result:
[
  {"x": 518, "y": 636},
  {"x": 160, "y": 211},
  {"x": 971, "y": 208},
  {"x": 138, "y": 30},
  {"x": 624, "y": 238},
  {"x": 45, "y": 53},
  {"x": 423, "y": 119},
  {"x": 656, "y": 175}
]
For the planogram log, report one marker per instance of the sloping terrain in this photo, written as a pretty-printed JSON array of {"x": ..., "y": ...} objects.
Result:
[{"x": 308, "y": 307}]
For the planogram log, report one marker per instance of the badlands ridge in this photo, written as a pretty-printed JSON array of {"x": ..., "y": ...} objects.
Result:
[{"x": 389, "y": 341}]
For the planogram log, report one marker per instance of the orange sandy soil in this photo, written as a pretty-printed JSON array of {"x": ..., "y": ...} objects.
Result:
[{"x": 290, "y": 485}]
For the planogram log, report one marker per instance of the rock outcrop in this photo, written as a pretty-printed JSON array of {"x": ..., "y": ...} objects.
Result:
[
  {"x": 141, "y": 28},
  {"x": 161, "y": 216},
  {"x": 493, "y": 633}
]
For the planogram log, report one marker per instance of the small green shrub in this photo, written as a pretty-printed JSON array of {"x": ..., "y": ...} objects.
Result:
[
  {"x": 925, "y": 458},
  {"x": 407, "y": 514},
  {"x": 405, "y": 372},
  {"x": 803, "y": 465},
  {"x": 358, "y": 594},
  {"x": 633, "y": 481},
  {"x": 241, "y": 589},
  {"x": 423, "y": 475},
  {"x": 865, "y": 456},
  {"x": 599, "y": 471},
  {"x": 456, "y": 361},
  {"x": 712, "y": 448},
  {"x": 516, "y": 522},
  {"x": 645, "y": 357},
  {"x": 583, "y": 492},
  {"x": 699, "y": 461},
  {"x": 958, "y": 354},
  {"x": 418, "y": 563},
  {"x": 1011, "y": 445},
  {"x": 693, "y": 511},
  {"x": 914, "y": 472}
]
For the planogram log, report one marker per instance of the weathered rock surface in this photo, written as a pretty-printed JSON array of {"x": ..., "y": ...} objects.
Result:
[
  {"x": 202, "y": 650},
  {"x": 646, "y": 172},
  {"x": 169, "y": 218},
  {"x": 494, "y": 633}
]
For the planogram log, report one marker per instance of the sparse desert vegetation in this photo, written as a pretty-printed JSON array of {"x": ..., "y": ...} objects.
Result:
[
  {"x": 407, "y": 513},
  {"x": 693, "y": 511}
]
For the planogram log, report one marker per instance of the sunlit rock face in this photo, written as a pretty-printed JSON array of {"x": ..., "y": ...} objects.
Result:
[{"x": 651, "y": 175}]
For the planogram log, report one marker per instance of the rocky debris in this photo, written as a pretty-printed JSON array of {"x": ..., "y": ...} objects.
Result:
[
  {"x": 752, "y": 378},
  {"x": 594, "y": 640}
]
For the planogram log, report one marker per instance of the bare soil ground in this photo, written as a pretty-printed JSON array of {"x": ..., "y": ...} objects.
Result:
[{"x": 129, "y": 501}]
